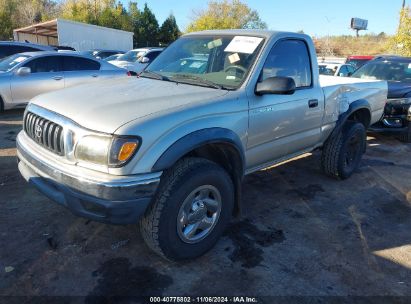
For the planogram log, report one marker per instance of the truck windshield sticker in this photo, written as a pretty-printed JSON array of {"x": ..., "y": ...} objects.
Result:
[
  {"x": 20, "y": 59},
  {"x": 234, "y": 58},
  {"x": 243, "y": 44},
  {"x": 214, "y": 43}
]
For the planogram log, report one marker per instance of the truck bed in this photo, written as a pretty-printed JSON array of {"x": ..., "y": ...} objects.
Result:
[{"x": 340, "y": 92}]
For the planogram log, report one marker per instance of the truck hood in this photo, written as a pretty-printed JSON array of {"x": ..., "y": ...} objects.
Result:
[{"x": 105, "y": 106}]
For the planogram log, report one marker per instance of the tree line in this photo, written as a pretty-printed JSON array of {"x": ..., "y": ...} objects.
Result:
[
  {"x": 109, "y": 13},
  {"x": 219, "y": 14}
]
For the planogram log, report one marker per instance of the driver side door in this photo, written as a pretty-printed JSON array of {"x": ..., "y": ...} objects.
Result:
[{"x": 280, "y": 125}]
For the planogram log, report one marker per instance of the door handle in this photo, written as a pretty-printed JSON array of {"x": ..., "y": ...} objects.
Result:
[
  {"x": 94, "y": 75},
  {"x": 58, "y": 77},
  {"x": 313, "y": 103}
]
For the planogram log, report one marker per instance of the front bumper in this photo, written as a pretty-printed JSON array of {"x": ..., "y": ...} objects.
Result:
[
  {"x": 392, "y": 124},
  {"x": 120, "y": 200}
]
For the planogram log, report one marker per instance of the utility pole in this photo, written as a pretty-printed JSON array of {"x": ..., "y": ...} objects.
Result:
[{"x": 403, "y": 4}]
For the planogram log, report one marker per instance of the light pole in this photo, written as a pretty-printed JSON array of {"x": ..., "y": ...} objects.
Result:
[{"x": 403, "y": 4}]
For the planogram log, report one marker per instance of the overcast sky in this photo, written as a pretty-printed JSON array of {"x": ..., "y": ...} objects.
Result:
[{"x": 314, "y": 17}]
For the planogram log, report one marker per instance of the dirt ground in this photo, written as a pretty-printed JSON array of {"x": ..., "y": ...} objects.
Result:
[{"x": 302, "y": 234}]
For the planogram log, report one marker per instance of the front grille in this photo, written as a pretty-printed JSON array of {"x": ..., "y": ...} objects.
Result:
[{"x": 45, "y": 132}]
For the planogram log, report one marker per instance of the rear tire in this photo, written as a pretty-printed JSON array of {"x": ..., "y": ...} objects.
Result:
[
  {"x": 191, "y": 192},
  {"x": 406, "y": 137},
  {"x": 342, "y": 153}
]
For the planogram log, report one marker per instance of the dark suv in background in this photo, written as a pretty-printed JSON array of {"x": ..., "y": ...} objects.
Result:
[
  {"x": 8, "y": 48},
  {"x": 397, "y": 114}
]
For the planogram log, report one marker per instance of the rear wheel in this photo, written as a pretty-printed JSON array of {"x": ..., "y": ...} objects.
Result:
[
  {"x": 190, "y": 211},
  {"x": 342, "y": 153}
]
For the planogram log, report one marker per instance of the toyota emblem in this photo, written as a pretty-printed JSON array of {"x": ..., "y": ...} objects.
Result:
[{"x": 38, "y": 130}]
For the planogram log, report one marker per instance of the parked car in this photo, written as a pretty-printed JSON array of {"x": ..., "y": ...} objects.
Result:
[
  {"x": 112, "y": 57},
  {"x": 336, "y": 69},
  {"x": 101, "y": 54},
  {"x": 358, "y": 61},
  {"x": 8, "y": 48},
  {"x": 170, "y": 149},
  {"x": 136, "y": 60},
  {"x": 397, "y": 71},
  {"x": 25, "y": 75}
]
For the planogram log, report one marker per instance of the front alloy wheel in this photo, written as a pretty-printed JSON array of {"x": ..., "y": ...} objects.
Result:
[{"x": 199, "y": 214}]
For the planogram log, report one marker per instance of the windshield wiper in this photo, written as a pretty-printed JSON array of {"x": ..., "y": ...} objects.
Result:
[
  {"x": 154, "y": 75},
  {"x": 206, "y": 82}
]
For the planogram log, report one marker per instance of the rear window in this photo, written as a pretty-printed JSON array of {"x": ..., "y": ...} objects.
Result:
[
  {"x": 7, "y": 50},
  {"x": 80, "y": 64}
]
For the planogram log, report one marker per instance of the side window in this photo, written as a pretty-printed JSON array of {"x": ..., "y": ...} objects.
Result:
[
  {"x": 289, "y": 58},
  {"x": 47, "y": 64},
  {"x": 152, "y": 55},
  {"x": 80, "y": 64},
  {"x": 351, "y": 69}
]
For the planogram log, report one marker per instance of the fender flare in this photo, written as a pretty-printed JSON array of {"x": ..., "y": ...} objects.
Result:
[
  {"x": 195, "y": 140},
  {"x": 353, "y": 107}
]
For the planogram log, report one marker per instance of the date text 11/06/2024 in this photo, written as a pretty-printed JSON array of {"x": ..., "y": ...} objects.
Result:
[{"x": 203, "y": 300}]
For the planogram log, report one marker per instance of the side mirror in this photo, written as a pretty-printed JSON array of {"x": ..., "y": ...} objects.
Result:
[
  {"x": 349, "y": 74},
  {"x": 144, "y": 59},
  {"x": 276, "y": 85},
  {"x": 23, "y": 71}
]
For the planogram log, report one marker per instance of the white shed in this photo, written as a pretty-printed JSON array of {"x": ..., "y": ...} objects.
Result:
[{"x": 81, "y": 36}]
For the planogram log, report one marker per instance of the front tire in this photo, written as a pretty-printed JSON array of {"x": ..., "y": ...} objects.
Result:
[
  {"x": 342, "y": 153},
  {"x": 190, "y": 211}
]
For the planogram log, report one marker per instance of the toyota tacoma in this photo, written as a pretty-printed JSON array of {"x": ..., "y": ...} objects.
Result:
[{"x": 169, "y": 149}]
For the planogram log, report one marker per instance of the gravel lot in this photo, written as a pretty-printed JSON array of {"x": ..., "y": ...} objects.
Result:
[{"x": 302, "y": 234}]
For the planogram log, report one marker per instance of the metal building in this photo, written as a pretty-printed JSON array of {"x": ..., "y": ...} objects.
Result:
[{"x": 81, "y": 36}]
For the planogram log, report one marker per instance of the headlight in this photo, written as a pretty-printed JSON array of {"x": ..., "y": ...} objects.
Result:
[
  {"x": 113, "y": 151},
  {"x": 93, "y": 149}
]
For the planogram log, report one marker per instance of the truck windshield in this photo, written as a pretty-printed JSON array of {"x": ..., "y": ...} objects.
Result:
[
  {"x": 212, "y": 61},
  {"x": 390, "y": 70},
  {"x": 8, "y": 63}
]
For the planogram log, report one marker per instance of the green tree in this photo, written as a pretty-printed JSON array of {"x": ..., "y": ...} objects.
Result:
[
  {"x": 7, "y": 8},
  {"x": 134, "y": 14},
  {"x": 146, "y": 28},
  {"x": 401, "y": 42},
  {"x": 226, "y": 14},
  {"x": 99, "y": 12},
  {"x": 169, "y": 31}
]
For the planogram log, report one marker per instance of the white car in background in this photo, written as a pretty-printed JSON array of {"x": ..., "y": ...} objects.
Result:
[
  {"x": 136, "y": 60},
  {"x": 336, "y": 69}
]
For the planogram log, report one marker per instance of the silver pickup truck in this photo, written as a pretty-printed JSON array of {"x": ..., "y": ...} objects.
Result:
[{"x": 170, "y": 149}]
